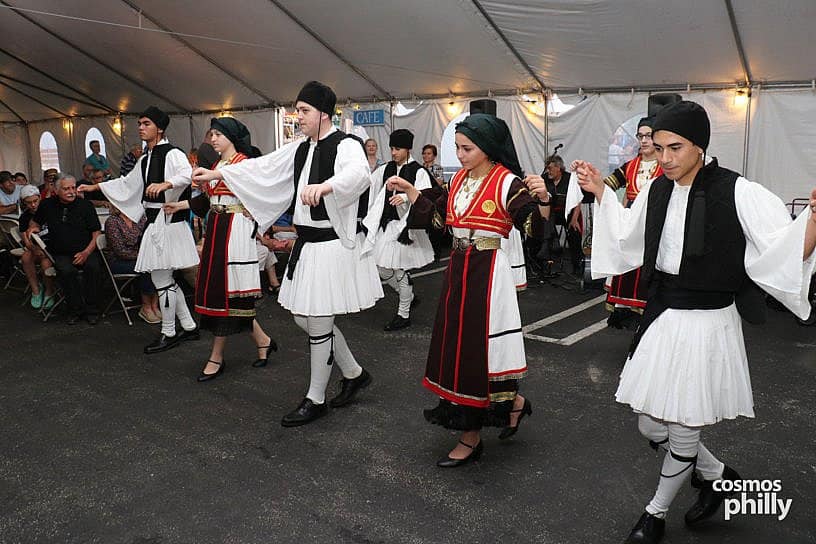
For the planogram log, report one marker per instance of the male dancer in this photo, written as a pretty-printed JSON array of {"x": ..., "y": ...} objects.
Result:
[
  {"x": 397, "y": 248},
  {"x": 320, "y": 180},
  {"x": 704, "y": 236},
  {"x": 161, "y": 175}
]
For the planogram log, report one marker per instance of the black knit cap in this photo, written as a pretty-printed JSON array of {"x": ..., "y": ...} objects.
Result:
[
  {"x": 235, "y": 131},
  {"x": 686, "y": 119},
  {"x": 159, "y": 118},
  {"x": 318, "y": 96},
  {"x": 401, "y": 138},
  {"x": 646, "y": 122}
]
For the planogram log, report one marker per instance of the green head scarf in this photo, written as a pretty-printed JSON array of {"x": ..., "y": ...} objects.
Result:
[{"x": 492, "y": 136}]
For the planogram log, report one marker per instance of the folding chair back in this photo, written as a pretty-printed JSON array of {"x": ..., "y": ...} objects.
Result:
[
  {"x": 59, "y": 296},
  {"x": 120, "y": 282}
]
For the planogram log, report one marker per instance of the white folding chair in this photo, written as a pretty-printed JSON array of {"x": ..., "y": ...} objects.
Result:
[
  {"x": 59, "y": 296},
  {"x": 11, "y": 231},
  {"x": 119, "y": 281}
]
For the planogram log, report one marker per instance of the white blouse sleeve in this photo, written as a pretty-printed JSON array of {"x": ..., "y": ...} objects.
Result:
[
  {"x": 618, "y": 234},
  {"x": 126, "y": 192},
  {"x": 264, "y": 185},
  {"x": 775, "y": 246}
]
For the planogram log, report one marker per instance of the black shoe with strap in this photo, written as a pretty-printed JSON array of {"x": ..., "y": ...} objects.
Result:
[
  {"x": 450, "y": 462},
  {"x": 203, "y": 377},
  {"x": 526, "y": 410},
  {"x": 273, "y": 346},
  {"x": 349, "y": 388},
  {"x": 648, "y": 530},
  {"x": 708, "y": 500}
]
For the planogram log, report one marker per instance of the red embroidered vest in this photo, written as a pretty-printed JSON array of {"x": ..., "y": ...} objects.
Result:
[
  {"x": 632, "y": 167},
  {"x": 220, "y": 188},
  {"x": 486, "y": 211}
]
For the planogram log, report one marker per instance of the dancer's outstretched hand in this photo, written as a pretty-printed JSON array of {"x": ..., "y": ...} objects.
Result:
[
  {"x": 203, "y": 175},
  {"x": 589, "y": 178}
]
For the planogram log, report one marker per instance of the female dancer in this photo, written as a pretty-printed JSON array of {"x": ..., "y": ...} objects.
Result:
[
  {"x": 228, "y": 281},
  {"x": 477, "y": 350}
]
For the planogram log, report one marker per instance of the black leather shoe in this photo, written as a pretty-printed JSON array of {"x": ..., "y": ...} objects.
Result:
[
  {"x": 203, "y": 377},
  {"x": 648, "y": 530},
  {"x": 307, "y": 412},
  {"x": 92, "y": 319},
  {"x": 162, "y": 343},
  {"x": 709, "y": 501},
  {"x": 273, "y": 346},
  {"x": 192, "y": 334},
  {"x": 398, "y": 323},
  {"x": 450, "y": 462},
  {"x": 526, "y": 410},
  {"x": 349, "y": 388},
  {"x": 415, "y": 302}
]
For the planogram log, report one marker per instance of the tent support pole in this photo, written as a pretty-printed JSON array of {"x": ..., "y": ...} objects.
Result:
[
  {"x": 747, "y": 136},
  {"x": 746, "y": 68}
]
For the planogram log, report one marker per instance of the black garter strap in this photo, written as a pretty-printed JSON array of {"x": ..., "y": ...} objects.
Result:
[
  {"x": 692, "y": 462},
  {"x": 317, "y": 340},
  {"x": 656, "y": 445},
  {"x": 173, "y": 287}
]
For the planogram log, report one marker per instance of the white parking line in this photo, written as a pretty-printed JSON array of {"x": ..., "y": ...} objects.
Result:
[{"x": 563, "y": 315}]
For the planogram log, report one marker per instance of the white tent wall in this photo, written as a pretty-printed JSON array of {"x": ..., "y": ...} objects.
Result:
[
  {"x": 261, "y": 125},
  {"x": 13, "y": 149},
  {"x": 782, "y": 142}
]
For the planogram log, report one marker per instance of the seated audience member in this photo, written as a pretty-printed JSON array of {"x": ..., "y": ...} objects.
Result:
[
  {"x": 123, "y": 237},
  {"x": 9, "y": 194},
  {"x": 72, "y": 230},
  {"x": 129, "y": 160},
  {"x": 267, "y": 260},
  {"x": 97, "y": 159},
  {"x": 20, "y": 179},
  {"x": 33, "y": 255},
  {"x": 87, "y": 172},
  {"x": 99, "y": 200},
  {"x": 47, "y": 189}
]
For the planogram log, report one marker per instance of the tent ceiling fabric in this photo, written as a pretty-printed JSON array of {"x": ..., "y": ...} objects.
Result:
[{"x": 251, "y": 52}]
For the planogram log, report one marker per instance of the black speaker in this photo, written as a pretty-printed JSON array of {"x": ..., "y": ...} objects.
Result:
[
  {"x": 484, "y": 105},
  {"x": 659, "y": 101}
]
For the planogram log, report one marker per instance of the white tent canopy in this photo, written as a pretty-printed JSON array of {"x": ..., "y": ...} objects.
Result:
[{"x": 92, "y": 60}]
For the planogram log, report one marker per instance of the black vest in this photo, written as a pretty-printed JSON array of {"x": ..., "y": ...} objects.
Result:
[
  {"x": 325, "y": 170},
  {"x": 158, "y": 156},
  {"x": 714, "y": 244},
  {"x": 408, "y": 172}
]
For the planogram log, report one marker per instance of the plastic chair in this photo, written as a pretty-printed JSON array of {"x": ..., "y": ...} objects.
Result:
[
  {"x": 119, "y": 281},
  {"x": 59, "y": 296}
]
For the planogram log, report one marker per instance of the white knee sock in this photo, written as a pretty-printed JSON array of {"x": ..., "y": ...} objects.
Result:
[
  {"x": 166, "y": 288},
  {"x": 406, "y": 293},
  {"x": 677, "y": 466},
  {"x": 344, "y": 358},
  {"x": 708, "y": 466},
  {"x": 321, "y": 340}
]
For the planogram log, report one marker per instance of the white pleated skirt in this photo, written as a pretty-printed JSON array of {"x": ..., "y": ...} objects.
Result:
[
  {"x": 390, "y": 253},
  {"x": 690, "y": 368},
  {"x": 331, "y": 280},
  {"x": 166, "y": 246}
]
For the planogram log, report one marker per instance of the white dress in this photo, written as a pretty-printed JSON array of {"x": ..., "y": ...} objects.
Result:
[
  {"x": 690, "y": 366},
  {"x": 165, "y": 245},
  {"x": 331, "y": 278},
  {"x": 514, "y": 249},
  {"x": 388, "y": 252}
]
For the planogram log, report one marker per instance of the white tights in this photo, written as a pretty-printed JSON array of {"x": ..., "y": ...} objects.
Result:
[
  {"x": 327, "y": 345},
  {"x": 171, "y": 303},
  {"x": 683, "y": 453},
  {"x": 398, "y": 280}
]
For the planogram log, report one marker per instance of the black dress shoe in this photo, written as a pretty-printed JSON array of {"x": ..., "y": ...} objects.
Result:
[
  {"x": 398, "y": 323},
  {"x": 648, "y": 530},
  {"x": 709, "y": 501},
  {"x": 307, "y": 412},
  {"x": 162, "y": 343},
  {"x": 450, "y": 462},
  {"x": 349, "y": 388},
  {"x": 92, "y": 319},
  {"x": 273, "y": 346},
  {"x": 415, "y": 302},
  {"x": 192, "y": 334},
  {"x": 526, "y": 410},
  {"x": 203, "y": 377}
]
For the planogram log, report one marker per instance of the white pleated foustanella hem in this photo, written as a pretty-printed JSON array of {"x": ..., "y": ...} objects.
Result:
[
  {"x": 505, "y": 345},
  {"x": 329, "y": 279},
  {"x": 690, "y": 367},
  {"x": 166, "y": 246},
  {"x": 390, "y": 253},
  {"x": 243, "y": 278},
  {"x": 367, "y": 269}
]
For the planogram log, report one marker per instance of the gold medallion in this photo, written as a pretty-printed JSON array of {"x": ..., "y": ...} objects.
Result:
[{"x": 488, "y": 207}]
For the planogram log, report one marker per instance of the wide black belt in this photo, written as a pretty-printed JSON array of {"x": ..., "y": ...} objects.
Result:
[
  {"x": 178, "y": 217},
  {"x": 307, "y": 235},
  {"x": 665, "y": 292}
]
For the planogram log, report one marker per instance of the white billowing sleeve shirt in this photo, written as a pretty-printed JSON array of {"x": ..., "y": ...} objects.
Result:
[{"x": 774, "y": 244}]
